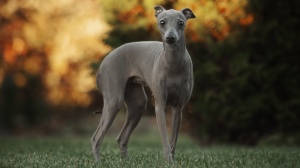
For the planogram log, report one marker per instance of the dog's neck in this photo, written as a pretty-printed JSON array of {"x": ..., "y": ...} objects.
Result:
[{"x": 175, "y": 54}]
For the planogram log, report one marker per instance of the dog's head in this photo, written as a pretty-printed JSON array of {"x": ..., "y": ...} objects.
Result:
[{"x": 171, "y": 23}]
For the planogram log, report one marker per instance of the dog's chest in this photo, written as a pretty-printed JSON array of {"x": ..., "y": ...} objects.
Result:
[{"x": 178, "y": 90}]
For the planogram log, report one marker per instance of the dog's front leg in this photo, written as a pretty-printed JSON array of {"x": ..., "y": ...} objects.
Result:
[
  {"x": 161, "y": 122},
  {"x": 176, "y": 122}
]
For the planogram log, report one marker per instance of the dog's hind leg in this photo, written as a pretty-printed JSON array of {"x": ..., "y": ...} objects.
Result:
[
  {"x": 110, "y": 110},
  {"x": 136, "y": 101}
]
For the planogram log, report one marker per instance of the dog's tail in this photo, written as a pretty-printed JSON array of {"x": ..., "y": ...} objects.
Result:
[{"x": 97, "y": 112}]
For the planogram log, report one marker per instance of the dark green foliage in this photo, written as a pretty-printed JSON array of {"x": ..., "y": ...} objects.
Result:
[{"x": 247, "y": 86}]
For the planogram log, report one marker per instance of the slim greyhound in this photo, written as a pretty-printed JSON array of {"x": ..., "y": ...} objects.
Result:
[{"x": 165, "y": 67}]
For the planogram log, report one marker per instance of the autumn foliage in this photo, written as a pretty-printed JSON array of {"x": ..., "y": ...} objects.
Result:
[{"x": 46, "y": 49}]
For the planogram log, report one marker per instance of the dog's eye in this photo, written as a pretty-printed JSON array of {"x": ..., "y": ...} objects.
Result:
[
  {"x": 162, "y": 22},
  {"x": 180, "y": 23}
]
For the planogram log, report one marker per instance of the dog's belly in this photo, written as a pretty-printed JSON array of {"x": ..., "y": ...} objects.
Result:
[{"x": 137, "y": 80}]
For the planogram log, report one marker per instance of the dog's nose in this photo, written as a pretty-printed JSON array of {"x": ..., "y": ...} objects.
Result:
[{"x": 170, "y": 39}]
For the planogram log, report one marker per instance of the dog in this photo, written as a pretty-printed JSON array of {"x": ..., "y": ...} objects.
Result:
[{"x": 165, "y": 67}]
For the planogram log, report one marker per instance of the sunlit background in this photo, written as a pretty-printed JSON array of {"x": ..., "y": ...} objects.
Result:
[
  {"x": 50, "y": 51},
  {"x": 54, "y": 42}
]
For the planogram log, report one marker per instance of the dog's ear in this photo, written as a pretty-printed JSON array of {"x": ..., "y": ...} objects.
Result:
[
  {"x": 158, "y": 10},
  {"x": 188, "y": 13}
]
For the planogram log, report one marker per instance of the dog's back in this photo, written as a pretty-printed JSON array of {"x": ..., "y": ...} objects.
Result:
[{"x": 129, "y": 60}]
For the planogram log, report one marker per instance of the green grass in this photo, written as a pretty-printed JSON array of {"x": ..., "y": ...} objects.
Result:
[{"x": 145, "y": 152}]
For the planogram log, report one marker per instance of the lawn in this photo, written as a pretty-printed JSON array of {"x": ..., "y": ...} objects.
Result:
[{"x": 145, "y": 151}]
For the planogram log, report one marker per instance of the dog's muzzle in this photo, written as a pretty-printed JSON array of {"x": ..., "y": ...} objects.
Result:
[
  {"x": 171, "y": 37},
  {"x": 170, "y": 40}
]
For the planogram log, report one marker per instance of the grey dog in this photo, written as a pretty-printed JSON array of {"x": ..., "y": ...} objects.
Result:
[{"x": 165, "y": 67}]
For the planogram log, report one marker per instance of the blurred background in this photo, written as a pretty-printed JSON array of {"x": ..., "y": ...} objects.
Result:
[{"x": 245, "y": 53}]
